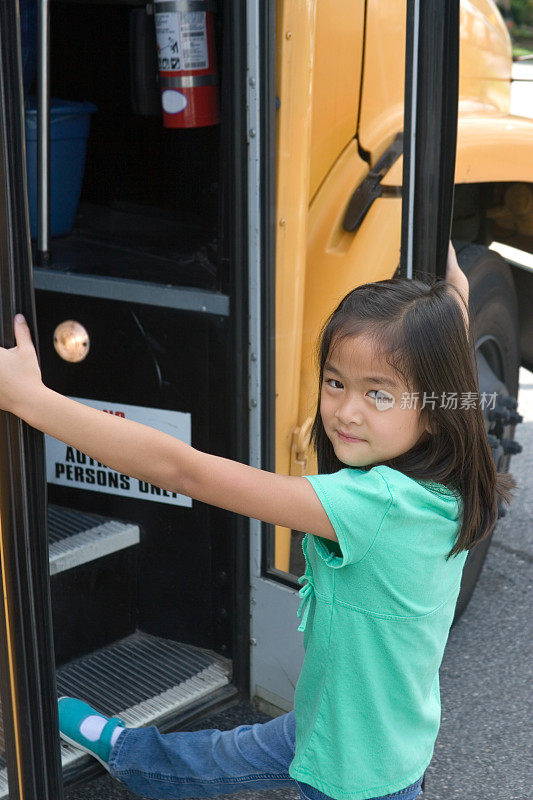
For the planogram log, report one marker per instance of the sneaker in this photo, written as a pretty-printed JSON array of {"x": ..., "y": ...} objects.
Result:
[{"x": 82, "y": 726}]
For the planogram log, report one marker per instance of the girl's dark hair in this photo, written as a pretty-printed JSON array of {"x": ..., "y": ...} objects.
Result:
[{"x": 420, "y": 331}]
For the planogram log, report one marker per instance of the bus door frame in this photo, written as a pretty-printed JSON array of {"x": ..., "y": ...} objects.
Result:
[
  {"x": 27, "y": 655},
  {"x": 430, "y": 135}
]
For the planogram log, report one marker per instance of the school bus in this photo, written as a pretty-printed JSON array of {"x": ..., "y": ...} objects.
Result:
[{"x": 188, "y": 294}]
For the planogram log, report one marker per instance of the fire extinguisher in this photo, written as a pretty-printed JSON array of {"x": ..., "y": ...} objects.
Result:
[{"x": 187, "y": 62}]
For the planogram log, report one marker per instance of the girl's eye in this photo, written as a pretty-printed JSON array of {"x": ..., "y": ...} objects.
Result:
[
  {"x": 329, "y": 381},
  {"x": 383, "y": 399}
]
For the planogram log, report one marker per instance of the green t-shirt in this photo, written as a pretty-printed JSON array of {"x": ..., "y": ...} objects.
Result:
[{"x": 376, "y": 612}]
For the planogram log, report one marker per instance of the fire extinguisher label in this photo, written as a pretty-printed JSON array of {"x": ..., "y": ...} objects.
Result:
[{"x": 181, "y": 40}]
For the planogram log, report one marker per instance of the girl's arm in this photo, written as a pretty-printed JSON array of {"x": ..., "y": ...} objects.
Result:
[{"x": 150, "y": 455}]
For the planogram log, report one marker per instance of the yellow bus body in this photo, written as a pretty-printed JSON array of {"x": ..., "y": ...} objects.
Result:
[{"x": 340, "y": 82}]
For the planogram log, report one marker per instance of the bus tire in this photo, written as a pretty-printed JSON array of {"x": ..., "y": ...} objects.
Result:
[{"x": 494, "y": 310}]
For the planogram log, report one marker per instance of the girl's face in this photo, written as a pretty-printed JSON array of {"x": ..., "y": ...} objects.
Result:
[{"x": 361, "y": 406}]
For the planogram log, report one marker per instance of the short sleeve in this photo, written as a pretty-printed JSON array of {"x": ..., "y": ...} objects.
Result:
[{"x": 356, "y": 502}]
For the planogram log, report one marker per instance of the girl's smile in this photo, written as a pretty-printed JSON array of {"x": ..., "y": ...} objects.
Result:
[
  {"x": 360, "y": 404},
  {"x": 349, "y": 439}
]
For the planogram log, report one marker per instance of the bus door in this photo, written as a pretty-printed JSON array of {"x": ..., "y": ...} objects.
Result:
[
  {"x": 141, "y": 292},
  {"x": 344, "y": 210}
]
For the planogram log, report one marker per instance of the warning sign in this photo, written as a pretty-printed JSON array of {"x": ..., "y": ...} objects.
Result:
[{"x": 66, "y": 466}]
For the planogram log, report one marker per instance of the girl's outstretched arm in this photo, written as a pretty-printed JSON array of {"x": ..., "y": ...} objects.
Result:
[{"x": 150, "y": 455}]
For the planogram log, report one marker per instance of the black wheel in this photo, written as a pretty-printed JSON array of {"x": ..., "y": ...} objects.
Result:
[{"x": 497, "y": 337}]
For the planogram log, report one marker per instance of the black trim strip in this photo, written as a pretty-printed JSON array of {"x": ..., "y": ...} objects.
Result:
[
  {"x": 233, "y": 250},
  {"x": 22, "y": 474},
  {"x": 363, "y": 153},
  {"x": 268, "y": 260},
  {"x": 432, "y": 79}
]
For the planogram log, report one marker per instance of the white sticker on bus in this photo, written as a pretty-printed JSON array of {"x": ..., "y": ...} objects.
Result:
[{"x": 66, "y": 466}]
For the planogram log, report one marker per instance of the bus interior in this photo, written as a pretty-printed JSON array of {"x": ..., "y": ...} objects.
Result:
[{"x": 142, "y": 582}]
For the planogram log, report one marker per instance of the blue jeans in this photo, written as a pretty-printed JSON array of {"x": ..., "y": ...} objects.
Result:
[{"x": 211, "y": 762}]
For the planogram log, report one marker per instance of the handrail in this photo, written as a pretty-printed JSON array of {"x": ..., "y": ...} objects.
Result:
[{"x": 43, "y": 134}]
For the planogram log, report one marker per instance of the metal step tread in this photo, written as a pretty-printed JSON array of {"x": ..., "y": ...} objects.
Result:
[
  {"x": 142, "y": 679},
  {"x": 76, "y": 538}
]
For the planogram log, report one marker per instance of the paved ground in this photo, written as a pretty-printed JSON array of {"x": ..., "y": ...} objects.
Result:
[{"x": 484, "y": 750}]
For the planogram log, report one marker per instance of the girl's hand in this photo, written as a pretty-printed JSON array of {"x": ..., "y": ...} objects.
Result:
[
  {"x": 456, "y": 276},
  {"x": 20, "y": 376}
]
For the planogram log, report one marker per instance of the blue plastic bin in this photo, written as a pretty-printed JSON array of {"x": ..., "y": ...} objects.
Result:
[{"x": 69, "y": 130}]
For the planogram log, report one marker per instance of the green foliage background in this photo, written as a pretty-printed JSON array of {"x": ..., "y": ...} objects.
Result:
[{"x": 522, "y": 12}]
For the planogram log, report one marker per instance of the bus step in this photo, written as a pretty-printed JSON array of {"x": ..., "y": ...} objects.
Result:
[
  {"x": 76, "y": 538},
  {"x": 143, "y": 679}
]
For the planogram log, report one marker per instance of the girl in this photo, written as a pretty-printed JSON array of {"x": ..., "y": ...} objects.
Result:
[{"x": 407, "y": 486}]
